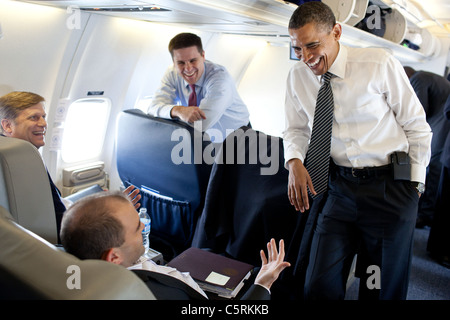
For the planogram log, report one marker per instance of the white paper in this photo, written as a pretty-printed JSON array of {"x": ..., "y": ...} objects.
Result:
[{"x": 217, "y": 278}]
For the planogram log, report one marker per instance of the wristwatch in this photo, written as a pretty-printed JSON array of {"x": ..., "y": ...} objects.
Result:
[{"x": 420, "y": 187}]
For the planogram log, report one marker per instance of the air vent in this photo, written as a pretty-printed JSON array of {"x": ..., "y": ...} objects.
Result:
[
  {"x": 125, "y": 9},
  {"x": 256, "y": 23}
]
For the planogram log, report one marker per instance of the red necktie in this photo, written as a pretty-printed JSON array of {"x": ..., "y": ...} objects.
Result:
[{"x": 192, "y": 96}]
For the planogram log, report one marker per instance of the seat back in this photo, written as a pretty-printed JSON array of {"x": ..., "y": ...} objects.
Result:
[
  {"x": 246, "y": 201},
  {"x": 247, "y": 204},
  {"x": 25, "y": 189},
  {"x": 164, "y": 159},
  {"x": 32, "y": 268}
]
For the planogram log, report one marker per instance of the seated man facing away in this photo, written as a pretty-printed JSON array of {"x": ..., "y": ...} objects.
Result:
[{"x": 106, "y": 226}]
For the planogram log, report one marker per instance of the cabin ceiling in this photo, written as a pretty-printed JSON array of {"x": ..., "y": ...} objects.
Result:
[
  {"x": 263, "y": 17},
  {"x": 257, "y": 17}
]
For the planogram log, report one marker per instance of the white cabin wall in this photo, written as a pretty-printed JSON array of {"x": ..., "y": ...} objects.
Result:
[
  {"x": 36, "y": 52},
  {"x": 31, "y": 49},
  {"x": 125, "y": 59},
  {"x": 263, "y": 88}
]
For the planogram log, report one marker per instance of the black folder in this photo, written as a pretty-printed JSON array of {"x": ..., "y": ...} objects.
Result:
[{"x": 213, "y": 272}]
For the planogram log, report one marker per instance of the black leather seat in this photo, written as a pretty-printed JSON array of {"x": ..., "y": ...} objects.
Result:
[{"x": 164, "y": 158}]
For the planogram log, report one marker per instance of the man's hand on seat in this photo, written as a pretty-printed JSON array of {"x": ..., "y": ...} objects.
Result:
[
  {"x": 134, "y": 194},
  {"x": 188, "y": 114}
]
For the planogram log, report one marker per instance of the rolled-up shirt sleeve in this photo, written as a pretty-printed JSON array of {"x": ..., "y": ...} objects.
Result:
[
  {"x": 299, "y": 113},
  {"x": 165, "y": 97},
  {"x": 219, "y": 96},
  {"x": 410, "y": 115}
]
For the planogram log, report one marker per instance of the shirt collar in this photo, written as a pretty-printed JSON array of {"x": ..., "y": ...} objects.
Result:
[{"x": 338, "y": 66}]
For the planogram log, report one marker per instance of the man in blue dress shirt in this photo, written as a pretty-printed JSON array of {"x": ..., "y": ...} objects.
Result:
[{"x": 217, "y": 103}]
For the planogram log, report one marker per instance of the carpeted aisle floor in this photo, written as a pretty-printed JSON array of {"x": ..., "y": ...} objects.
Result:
[{"x": 429, "y": 280}]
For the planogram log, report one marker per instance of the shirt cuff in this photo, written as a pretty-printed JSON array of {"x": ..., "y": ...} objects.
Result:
[
  {"x": 160, "y": 112},
  {"x": 292, "y": 155},
  {"x": 418, "y": 173}
]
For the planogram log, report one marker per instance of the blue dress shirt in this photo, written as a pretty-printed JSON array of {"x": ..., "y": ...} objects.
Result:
[{"x": 217, "y": 97}]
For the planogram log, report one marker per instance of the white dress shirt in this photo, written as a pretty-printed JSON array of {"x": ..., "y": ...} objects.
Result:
[
  {"x": 150, "y": 265},
  {"x": 376, "y": 112},
  {"x": 217, "y": 96}
]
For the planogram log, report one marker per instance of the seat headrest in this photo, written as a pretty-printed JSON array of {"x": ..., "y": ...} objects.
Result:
[
  {"x": 150, "y": 160},
  {"x": 25, "y": 188},
  {"x": 54, "y": 274}
]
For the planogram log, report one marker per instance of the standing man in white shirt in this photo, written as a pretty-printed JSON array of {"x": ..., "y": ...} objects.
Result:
[
  {"x": 205, "y": 87},
  {"x": 366, "y": 208}
]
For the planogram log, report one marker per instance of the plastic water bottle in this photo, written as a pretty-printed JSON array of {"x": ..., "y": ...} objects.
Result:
[{"x": 145, "y": 219}]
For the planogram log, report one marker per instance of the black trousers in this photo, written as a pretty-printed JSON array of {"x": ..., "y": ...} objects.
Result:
[
  {"x": 371, "y": 215},
  {"x": 439, "y": 239}
]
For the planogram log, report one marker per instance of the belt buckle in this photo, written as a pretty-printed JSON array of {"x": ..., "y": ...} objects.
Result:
[{"x": 355, "y": 174}]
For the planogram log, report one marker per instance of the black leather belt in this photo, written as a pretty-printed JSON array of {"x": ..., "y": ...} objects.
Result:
[{"x": 364, "y": 173}]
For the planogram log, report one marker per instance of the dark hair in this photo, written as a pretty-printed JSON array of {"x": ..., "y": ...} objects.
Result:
[
  {"x": 89, "y": 228},
  {"x": 316, "y": 12},
  {"x": 15, "y": 102},
  {"x": 185, "y": 40}
]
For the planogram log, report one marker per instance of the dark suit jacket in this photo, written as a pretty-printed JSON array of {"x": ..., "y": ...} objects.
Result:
[
  {"x": 433, "y": 91},
  {"x": 446, "y": 153},
  {"x": 57, "y": 203},
  {"x": 165, "y": 287},
  {"x": 245, "y": 209}
]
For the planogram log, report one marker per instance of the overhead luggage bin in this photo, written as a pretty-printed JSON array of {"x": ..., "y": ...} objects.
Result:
[
  {"x": 359, "y": 12},
  {"x": 395, "y": 26},
  {"x": 342, "y": 9},
  {"x": 348, "y": 11},
  {"x": 431, "y": 46},
  {"x": 351, "y": 12}
]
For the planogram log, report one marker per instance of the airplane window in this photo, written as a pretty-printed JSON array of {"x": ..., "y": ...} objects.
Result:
[{"x": 85, "y": 128}]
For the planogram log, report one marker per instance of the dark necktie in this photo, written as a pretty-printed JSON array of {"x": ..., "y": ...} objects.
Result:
[
  {"x": 318, "y": 155},
  {"x": 192, "y": 96}
]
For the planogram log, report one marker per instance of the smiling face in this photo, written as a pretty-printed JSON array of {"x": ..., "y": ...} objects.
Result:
[
  {"x": 29, "y": 125},
  {"x": 316, "y": 47},
  {"x": 189, "y": 63}
]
